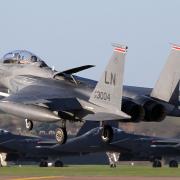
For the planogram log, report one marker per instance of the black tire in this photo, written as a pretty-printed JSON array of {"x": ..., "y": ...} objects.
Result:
[
  {"x": 107, "y": 134},
  {"x": 173, "y": 164},
  {"x": 61, "y": 135},
  {"x": 43, "y": 164},
  {"x": 58, "y": 163},
  {"x": 29, "y": 124},
  {"x": 157, "y": 164},
  {"x": 112, "y": 165}
]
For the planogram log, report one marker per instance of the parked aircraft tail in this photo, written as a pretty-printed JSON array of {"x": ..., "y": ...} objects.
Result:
[
  {"x": 108, "y": 91},
  {"x": 167, "y": 86}
]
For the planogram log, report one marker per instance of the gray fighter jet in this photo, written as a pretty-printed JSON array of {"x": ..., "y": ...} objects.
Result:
[{"x": 39, "y": 93}]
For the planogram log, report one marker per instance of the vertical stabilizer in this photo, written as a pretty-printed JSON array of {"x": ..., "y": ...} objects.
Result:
[
  {"x": 167, "y": 84},
  {"x": 108, "y": 91}
]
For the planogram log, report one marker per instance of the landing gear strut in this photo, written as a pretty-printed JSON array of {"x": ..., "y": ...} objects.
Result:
[
  {"x": 107, "y": 134},
  {"x": 61, "y": 134},
  {"x": 29, "y": 124}
]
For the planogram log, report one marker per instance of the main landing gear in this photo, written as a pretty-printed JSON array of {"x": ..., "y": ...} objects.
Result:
[
  {"x": 107, "y": 133},
  {"x": 29, "y": 124},
  {"x": 173, "y": 164},
  {"x": 157, "y": 163},
  {"x": 57, "y": 163},
  {"x": 61, "y": 133}
]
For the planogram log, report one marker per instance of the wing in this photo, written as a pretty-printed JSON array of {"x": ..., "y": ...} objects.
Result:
[{"x": 55, "y": 98}]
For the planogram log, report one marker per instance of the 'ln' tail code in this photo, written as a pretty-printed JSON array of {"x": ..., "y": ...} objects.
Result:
[{"x": 108, "y": 91}]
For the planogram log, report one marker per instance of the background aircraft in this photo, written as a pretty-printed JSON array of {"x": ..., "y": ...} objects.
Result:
[{"x": 130, "y": 146}]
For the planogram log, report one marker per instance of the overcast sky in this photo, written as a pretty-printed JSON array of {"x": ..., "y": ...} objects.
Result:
[{"x": 71, "y": 33}]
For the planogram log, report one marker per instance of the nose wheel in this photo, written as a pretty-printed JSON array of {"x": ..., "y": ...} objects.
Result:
[
  {"x": 61, "y": 135},
  {"x": 29, "y": 124}
]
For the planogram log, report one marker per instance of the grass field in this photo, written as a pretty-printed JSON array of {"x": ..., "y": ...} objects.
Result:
[{"x": 89, "y": 170}]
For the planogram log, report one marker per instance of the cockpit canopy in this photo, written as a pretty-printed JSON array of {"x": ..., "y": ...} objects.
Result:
[{"x": 22, "y": 57}]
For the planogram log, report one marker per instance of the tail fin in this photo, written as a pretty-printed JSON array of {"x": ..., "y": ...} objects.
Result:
[
  {"x": 108, "y": 91},
  {"x": 166, "y": 88},
  {"x": 88, "y": 125}
]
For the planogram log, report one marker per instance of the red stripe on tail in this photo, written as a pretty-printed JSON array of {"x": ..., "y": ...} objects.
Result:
[
  {"x": 176, "y": 48},
  {"x": 120, "y": 50}
]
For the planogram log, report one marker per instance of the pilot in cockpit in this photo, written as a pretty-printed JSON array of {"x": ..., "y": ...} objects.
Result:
[{"x": 23, "y": 57}]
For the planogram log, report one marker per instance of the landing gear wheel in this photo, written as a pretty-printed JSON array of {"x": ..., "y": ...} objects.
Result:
[
  {"x": 107, "y": 134},
  {"x": 173, "y": 164},
  {"x": 112, "y": 165},
  {"x": 61, "y": 135},
  {"x": 156, "y": 163},
  {"x": 43, "y": 164},
  {"x": 58, "y": 163},
  {"x": 29, "y": 124}
]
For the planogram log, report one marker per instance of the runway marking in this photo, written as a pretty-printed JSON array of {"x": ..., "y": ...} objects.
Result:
[{"x": 37, "y": 178}]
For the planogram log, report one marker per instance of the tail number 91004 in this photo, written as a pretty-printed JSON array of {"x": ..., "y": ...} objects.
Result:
[{"x": 102, "y": 95}]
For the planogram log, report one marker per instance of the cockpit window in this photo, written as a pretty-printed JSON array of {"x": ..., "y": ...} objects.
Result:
[
  {"x": 23, "y": 57},
  {"x": 10, "y": 61},
  {"x": 34, "y": 58}
]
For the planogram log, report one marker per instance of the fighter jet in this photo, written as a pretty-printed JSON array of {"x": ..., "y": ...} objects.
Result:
[
  {"x": 160, "y": 101},
  {"x": 39, "y": 93},
  {"x": 132, "y": 147}
]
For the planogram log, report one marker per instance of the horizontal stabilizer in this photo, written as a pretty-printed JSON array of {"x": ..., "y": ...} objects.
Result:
[{"x": 102, "y": 116}]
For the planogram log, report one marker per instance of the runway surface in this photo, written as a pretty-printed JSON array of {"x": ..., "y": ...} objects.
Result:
[{"x": 87, "y": 178}]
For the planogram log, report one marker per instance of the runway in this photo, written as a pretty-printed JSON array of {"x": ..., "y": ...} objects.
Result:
[{"x": 87, "y": 178}]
